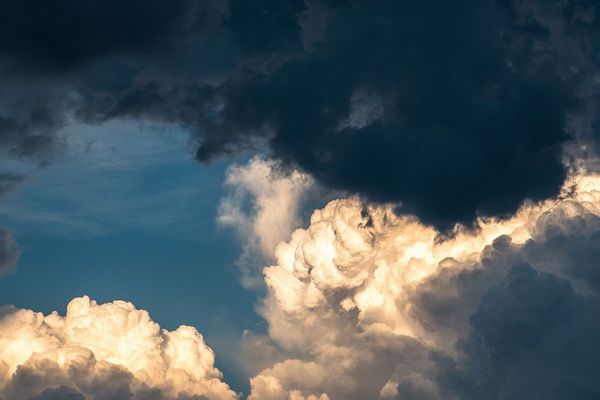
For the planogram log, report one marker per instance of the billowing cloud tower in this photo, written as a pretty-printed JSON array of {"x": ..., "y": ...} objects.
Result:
[{"x": 368, "y": 304}]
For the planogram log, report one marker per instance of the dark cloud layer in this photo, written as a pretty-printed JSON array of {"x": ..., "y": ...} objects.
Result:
[
  {"x": 39, "y": 37},
  {"x": 451, "y": 109},
  {"x": 447, "y": 116}
]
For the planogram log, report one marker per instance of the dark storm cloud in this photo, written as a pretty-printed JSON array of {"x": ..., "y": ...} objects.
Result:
[
  {"x": 71, "y": 59},
  {"x": 451, "y": 109},
  {"x": 42, "y": 37}
]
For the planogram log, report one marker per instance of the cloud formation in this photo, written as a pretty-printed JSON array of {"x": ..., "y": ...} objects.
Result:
[
  {"x": 394, "y": 101},
  {"x": 414, "y": 102},
  {"x": 456, "y": 112},
  {"x": 69, "y": 60},
  {"x": 263, "y": 206},
  {"x": 365, "y": 303},
  {"x": 103, "y": 351}
]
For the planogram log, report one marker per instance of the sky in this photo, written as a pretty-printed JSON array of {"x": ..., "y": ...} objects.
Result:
[
  {"x": 299, "y": 200},
  {"x": 126, "y": 213}
]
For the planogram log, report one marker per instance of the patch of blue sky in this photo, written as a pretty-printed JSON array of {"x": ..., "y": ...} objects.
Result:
[
  {"x": 114, "y": 177},
  {"x": 125, "y": 212}
]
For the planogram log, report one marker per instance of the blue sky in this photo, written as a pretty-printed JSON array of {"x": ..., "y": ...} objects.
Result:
[{"x": 127, "y": 213}]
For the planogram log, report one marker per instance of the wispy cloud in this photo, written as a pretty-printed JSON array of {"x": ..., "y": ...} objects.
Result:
[{"x": 106, "y": 180}]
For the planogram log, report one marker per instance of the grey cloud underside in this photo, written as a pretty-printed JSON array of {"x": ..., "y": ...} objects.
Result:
[
  {"x": 528, "y": 332},
  {"x": 53, "y": 384},
  {"x": 469, "y": 102},
  {"x": 531, "y": 333}
]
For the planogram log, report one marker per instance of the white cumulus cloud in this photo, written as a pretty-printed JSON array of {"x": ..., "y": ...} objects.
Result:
[
  {"x": 363, "y": 303},
  {"x": 103, "y": 351},
  {"x": 366, "y": 304}
]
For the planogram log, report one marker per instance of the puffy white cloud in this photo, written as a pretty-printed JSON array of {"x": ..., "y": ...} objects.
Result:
[
  {"x": 103, "y": 351},
  {"x": 367, "y": 303},
  {"x": 263, "y": 205}
]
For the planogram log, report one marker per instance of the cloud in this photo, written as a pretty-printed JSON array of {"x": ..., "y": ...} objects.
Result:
[
  {"x": 103, "y": 351},
  {"x": 456, "y": 112},
  {"x": 69, "y": 61},
  {"x": 366, "y": 303},
  {"x": 263, "y": 206},
  {"x": 415, "y": 103},
  {"x": 30, "y": 133},
  {"x": 531, "y": 335},
  {"x": 67, "y": 35},
  {"x": 471, "y": 102},
  {"x": 363, "y": 303}
]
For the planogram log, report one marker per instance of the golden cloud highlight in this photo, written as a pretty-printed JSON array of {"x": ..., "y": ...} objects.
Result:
[
  {"x": 100, "y": 351},
  {"x": 361, "y": 297}
]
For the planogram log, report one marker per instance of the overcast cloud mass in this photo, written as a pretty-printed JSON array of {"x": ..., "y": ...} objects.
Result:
[
  {"x": 396, "y": 101},
  {"x": 460, "y": 256}
]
